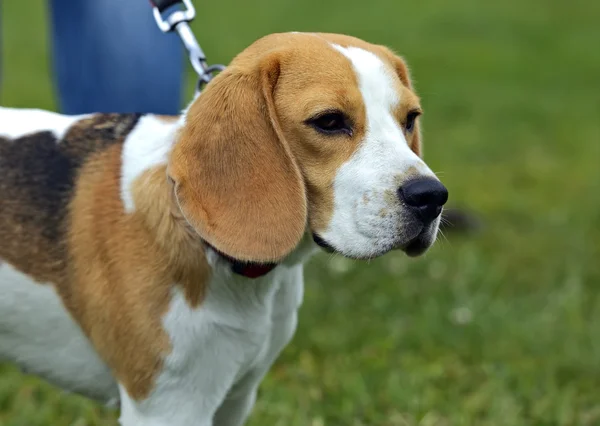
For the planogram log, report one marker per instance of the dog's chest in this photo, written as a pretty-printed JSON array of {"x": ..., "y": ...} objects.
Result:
[{"x": 235, "y": 325}]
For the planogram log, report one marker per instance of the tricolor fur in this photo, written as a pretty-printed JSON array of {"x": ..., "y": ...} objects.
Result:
[{"x": 118, "y": 230}]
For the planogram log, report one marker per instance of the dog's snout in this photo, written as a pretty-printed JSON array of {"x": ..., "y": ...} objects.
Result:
[{"x": 425, "y": 196}]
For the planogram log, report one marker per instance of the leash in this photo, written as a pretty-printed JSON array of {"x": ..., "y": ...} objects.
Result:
[{"x": 178, "y": 20}]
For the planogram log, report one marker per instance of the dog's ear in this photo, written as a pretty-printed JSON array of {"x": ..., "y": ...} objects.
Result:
[
  {"x": 235, "y": 179},
  {"x": 404, "y": 74}
]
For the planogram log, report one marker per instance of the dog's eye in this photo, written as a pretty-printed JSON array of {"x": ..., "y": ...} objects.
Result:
[
  {"x": 331, "y": 123},
  {"x": 410, "y": 120}
]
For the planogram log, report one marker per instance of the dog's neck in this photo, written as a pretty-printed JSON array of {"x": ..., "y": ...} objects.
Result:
[{"x": 155, "y": 201}]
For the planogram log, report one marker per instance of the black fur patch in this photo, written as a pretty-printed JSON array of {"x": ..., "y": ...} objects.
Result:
[
  {"x": 34, "y": 169},
  {"x": 38, "y": 175}
]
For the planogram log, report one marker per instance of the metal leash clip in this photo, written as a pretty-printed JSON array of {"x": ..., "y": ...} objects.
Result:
[{"x": 178, "y": 20}]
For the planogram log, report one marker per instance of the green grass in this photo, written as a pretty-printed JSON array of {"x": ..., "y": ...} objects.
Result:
[{"x": 502, "y": 328}]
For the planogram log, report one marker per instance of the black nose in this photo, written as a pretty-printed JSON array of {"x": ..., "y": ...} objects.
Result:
[{"x": 425, "y": 196}]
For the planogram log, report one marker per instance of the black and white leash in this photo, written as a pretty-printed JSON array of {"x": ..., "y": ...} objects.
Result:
[{"x": 178, "y": 20}]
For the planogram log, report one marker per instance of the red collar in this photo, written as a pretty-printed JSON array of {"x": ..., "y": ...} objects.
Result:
[
  {"x": 252, "y": 269},
  {"x": 246, "y": 269}
]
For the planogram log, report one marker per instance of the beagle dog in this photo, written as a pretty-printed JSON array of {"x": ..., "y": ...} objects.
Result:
[{"x": 156, "y": 262}]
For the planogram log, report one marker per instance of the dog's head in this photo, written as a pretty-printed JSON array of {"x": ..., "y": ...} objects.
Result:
[{"x": 314, "y": 132}]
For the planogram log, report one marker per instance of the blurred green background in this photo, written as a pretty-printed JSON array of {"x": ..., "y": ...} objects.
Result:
[{"x": 498, "y": 328}]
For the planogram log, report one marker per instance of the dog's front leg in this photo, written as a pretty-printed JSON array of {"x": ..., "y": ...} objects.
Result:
[
  {"x": 166, "y": 407},
  {"x": 236, "y": 407},
  {"x": 192, "y": 385}
]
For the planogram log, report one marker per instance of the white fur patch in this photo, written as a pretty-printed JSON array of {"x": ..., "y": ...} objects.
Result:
[
  {"x": 220, "y": 350},
  {"x": 146, "y": 146},
  {"x": 18, "y": 122},
  {"x": 39, "y": 335}
]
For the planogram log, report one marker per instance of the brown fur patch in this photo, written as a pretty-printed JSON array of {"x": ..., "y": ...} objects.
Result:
[
  {"x": 118, "y": 292},
  {"x": 156, "y": 205},
  {"x": 132, "y": 262},
  {"x": 410, "y": 102}
]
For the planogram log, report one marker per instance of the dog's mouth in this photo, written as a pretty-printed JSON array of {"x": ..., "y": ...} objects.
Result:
[
  {"x": 323, "y": 244},
  {"x": 413, "y": 248},
  {"x": 418, "y": 245}
]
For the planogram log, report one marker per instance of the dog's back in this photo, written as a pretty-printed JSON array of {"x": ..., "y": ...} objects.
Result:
[{"x": 38, "y": 170}]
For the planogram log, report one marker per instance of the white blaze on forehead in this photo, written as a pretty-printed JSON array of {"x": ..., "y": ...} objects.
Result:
[{"x": 375, "y": 80}]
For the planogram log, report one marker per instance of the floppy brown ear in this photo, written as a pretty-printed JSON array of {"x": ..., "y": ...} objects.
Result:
[
  {"x": 236, "y": 181},
  {"x": 404, "y": 75}
]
